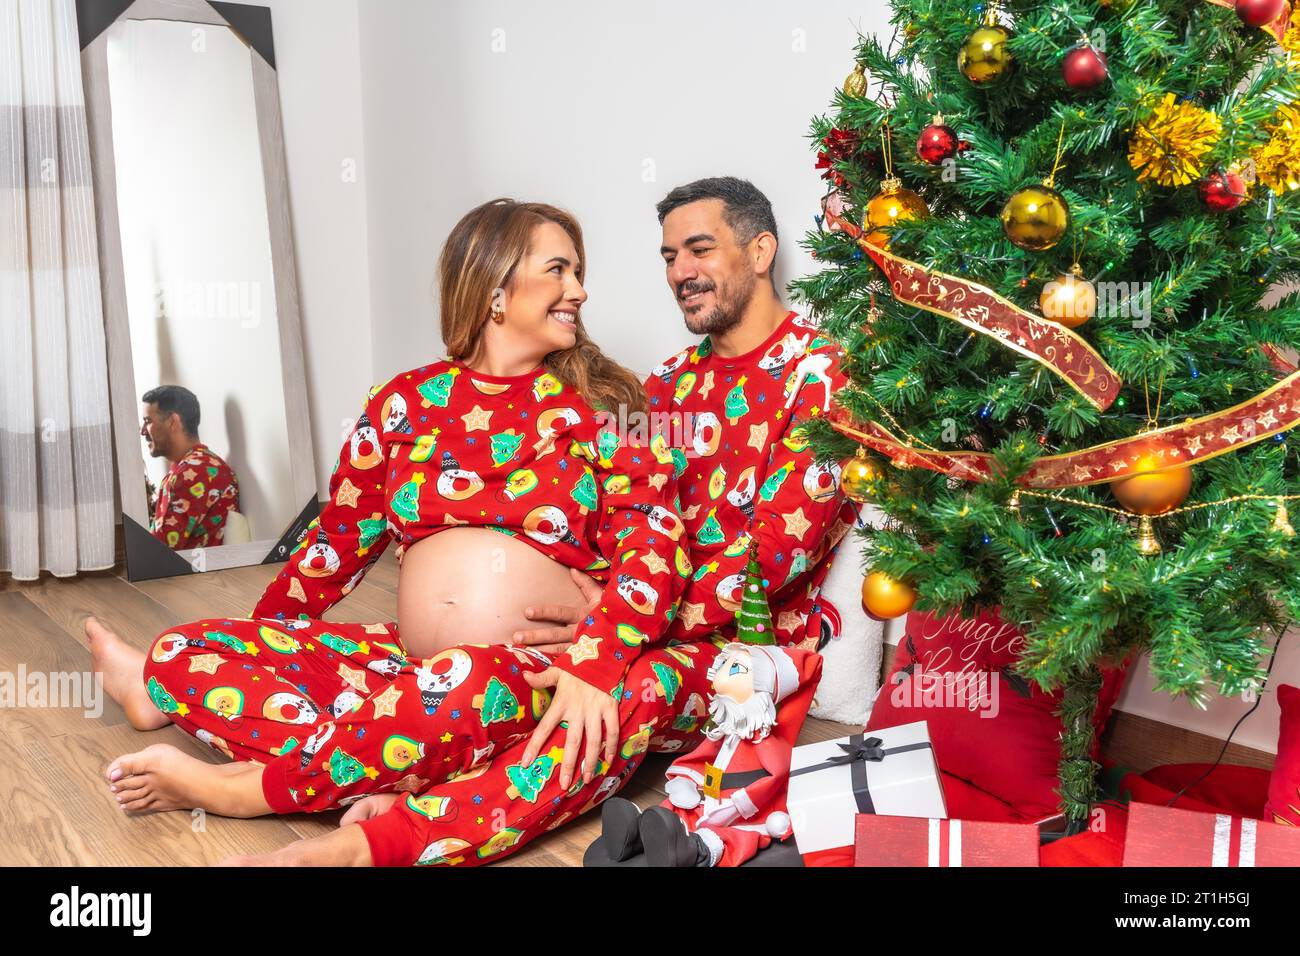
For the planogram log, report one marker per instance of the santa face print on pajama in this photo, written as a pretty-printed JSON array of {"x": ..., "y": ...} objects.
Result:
[{"x": 749, "y": 474}]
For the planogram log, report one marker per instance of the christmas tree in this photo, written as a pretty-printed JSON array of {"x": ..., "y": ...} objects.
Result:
[
  {"x": 1049, "y": 244},
  {"x": 497, "y": 703},
  {"x": 527, "y": 782},
  {"x": 406, "y": 502},
  {"x": 710, "y": 530},
  {"x": 754, "y": 616},
  {"x": 504, "y": 446},
  {"x": 584, "y": 492},
  {"x": 437, "y": 390},
  {"x": 736, "y": 405}
]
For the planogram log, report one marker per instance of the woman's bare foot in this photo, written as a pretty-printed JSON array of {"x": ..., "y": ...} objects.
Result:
[
  {"x": 123, "y": 668},
  {"x": 346, "y": 846},
  {"x": 160, "y": 777},
  {"x": 368, "y": 807}
]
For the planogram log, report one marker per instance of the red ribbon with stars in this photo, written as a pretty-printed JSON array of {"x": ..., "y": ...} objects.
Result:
[
  {"x": 1274, "y": 410},
  {"x": 982, "y": 310}
]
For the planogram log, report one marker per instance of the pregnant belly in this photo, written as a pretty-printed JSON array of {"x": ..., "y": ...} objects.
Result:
[{"x": 470, "y": 586}]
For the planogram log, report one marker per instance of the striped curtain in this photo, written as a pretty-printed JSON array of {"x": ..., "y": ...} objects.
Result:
[{"x": 56, "y": 461}]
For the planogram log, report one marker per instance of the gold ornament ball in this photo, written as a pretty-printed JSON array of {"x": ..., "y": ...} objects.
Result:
[
  {"x": 884, "y": 598},
  {"x": 1150, "y": 492},
  {"x": 892, "y": 205},
  {"x": 857, "y": 478},
  {"x": 1036, "y": 217},
  {"x": 984, "y": 56},
  {"x": 1069, "y": 299}
]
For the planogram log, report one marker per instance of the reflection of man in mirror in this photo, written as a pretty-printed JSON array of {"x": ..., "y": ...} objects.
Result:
[{"x": 199, "y": 490}]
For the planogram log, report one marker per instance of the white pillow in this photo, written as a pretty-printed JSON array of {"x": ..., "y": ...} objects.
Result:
[{"x": 851, "y": 658}]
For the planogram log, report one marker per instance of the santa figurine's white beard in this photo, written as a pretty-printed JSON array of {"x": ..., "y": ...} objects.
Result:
[{"x": 733, "y": 719}]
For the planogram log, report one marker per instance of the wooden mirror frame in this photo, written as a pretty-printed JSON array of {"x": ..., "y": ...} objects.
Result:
[{"x": 146, "y": 556}]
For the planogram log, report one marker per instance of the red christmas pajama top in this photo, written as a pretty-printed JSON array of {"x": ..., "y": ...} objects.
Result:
[
  {"x": 194, "y": 499},
  {"x": 747, "y": 472}
]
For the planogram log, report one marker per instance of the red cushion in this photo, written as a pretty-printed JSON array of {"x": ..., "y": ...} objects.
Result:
[
  {"x": 1284, "y": 785},
  {"x": 1228, "y": 788},
  {"x": 1012, "y": 754}
]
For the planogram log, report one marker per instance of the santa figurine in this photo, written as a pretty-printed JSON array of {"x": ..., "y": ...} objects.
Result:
[{"x": 726, "y": 799}]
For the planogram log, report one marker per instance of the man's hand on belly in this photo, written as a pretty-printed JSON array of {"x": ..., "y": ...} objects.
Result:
[{"x": 562, "y": 619}]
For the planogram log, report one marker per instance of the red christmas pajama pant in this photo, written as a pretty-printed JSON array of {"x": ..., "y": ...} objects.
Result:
[{"x": 335, "y": 711}]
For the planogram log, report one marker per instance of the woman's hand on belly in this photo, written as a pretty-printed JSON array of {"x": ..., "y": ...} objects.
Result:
[
  {"x": 561, "y": 619},
  {"x": 591, "y": 718}
]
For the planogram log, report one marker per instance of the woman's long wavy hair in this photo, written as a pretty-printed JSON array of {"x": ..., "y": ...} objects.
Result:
[{"x": 480, "y": 257}]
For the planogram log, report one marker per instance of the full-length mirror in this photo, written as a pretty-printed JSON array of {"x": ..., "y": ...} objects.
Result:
[{"x": 187, "y": 136}]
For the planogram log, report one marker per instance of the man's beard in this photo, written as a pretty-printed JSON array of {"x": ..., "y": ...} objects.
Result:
[
  {"x": 732, "y": 719},
  {"x": 728, "y": 312}
]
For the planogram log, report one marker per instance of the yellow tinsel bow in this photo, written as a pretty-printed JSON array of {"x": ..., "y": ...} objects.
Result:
[{"x": 1168, "y": 145}]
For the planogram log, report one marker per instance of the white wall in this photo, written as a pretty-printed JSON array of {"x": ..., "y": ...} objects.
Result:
[{"x": 595, "y": 106}]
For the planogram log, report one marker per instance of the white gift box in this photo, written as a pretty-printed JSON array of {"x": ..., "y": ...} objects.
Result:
[{"x": 889, "y": 772}]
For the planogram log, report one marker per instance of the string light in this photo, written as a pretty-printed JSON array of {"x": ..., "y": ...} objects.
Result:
[{"x": 1052, "y": 518}]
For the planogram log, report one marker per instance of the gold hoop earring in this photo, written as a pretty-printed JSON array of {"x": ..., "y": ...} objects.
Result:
[{"x": 498, "y": 317}]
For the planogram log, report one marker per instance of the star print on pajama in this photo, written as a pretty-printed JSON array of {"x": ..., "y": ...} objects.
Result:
[
  {"x": 747, "y": 472},
  {"x": 194, "y": 499}
]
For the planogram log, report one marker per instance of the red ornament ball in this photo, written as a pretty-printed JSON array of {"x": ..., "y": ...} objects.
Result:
[
  {"x": 1084, "y": 68},
  {"x": 1259, "y": 13},
  {"x": 1222, "y": 191},
  {"x": 937, "y": 143}
]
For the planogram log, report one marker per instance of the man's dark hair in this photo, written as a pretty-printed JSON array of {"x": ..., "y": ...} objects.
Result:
[
  {"x": 745, "y": 209},
  {"x": 178, "y": 399}
]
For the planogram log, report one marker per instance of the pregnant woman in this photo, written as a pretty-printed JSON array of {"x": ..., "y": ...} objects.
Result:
[{"x": 492, "y": 472}]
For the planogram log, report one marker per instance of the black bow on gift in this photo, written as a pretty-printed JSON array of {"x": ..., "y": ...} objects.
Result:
[{"x": 854, "y": 750}]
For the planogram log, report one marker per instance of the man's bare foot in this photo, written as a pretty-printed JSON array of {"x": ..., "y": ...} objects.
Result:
[
  {"x": 123, "y": 668},
  {"x": 368, "y": 807},
  {"x": 346, "y": 846},
  {"x": 160, "y": 777}
]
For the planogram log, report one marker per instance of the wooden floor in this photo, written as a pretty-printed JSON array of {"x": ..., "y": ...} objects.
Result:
[{"x": 57, "y": 806}]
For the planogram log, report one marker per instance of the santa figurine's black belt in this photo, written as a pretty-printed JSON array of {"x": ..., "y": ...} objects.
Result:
[{"x": 715, "y": 781}]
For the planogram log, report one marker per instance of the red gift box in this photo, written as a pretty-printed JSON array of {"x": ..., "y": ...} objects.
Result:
[
  {"x": 918, "y": 841},
  {"x": 1165, "y": 836}
]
